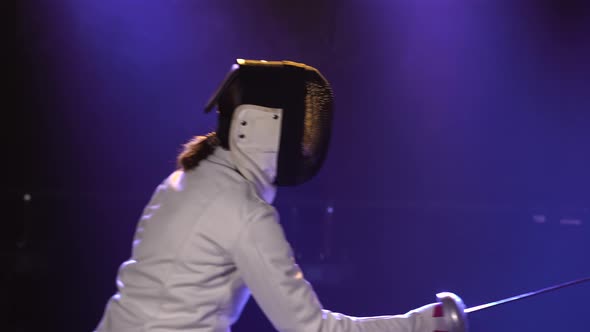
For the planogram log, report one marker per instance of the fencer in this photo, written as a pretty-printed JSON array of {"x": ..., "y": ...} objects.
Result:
[{"x": 209, "y": 237}]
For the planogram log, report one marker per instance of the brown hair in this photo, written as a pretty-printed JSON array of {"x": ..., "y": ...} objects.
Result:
[{"x": 197, "y": 149}]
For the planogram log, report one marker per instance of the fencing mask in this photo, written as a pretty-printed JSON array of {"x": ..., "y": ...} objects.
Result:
[{"x": 278, "y": 116}]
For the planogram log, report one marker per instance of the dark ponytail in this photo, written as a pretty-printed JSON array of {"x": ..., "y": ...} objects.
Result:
[{"x": 197, "y": 149}]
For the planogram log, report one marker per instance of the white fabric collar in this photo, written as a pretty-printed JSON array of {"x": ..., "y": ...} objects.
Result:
[{"x": 254, "y": 139}]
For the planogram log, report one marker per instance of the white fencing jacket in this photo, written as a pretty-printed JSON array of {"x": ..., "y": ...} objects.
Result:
[{"x": 205, "y": 241}]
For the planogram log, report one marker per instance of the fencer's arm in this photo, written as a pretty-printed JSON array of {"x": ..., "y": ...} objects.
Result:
[{"x": 265, "y": 261}]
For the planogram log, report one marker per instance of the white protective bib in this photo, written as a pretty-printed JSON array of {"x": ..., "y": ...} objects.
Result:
[{"x": 254, "y": 140}]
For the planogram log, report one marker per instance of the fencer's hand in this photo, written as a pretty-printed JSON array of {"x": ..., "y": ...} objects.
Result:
[{"x": 430, "y": 318}]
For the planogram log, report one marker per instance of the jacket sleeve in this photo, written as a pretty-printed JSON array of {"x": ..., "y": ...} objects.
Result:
[{"x": 265, "y": 261}]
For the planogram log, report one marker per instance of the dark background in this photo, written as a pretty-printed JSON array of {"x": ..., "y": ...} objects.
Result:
[{"x": 459, "y": 159}]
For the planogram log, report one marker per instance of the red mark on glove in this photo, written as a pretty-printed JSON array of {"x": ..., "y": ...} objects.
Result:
[{"x": 438, "y": 311}]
